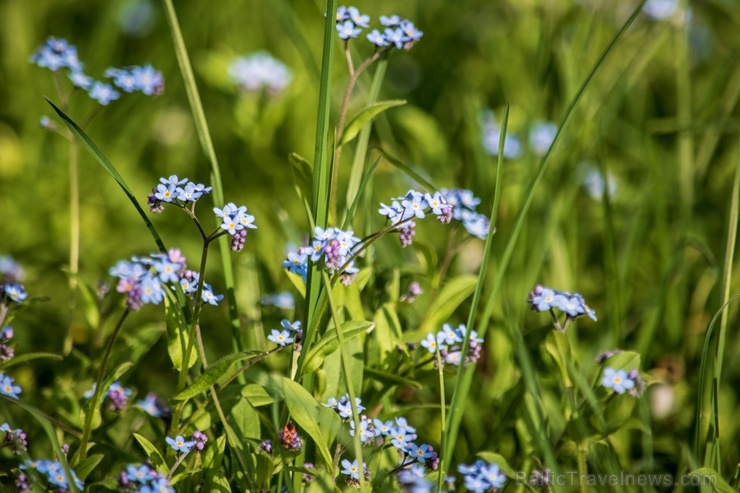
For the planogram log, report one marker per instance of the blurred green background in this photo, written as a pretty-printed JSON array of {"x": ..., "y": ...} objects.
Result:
[{"x": 660, "y": 117}]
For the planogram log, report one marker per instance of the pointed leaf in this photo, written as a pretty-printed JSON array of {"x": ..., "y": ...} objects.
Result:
[
  {"x": 305, "y": 411},
  {"x": 100, "y": 157},
  {"x": 153, "y": 453},
  {"x": 330, "y": 343},
  {"x": 365, "y": 116},
  {"x": 22, "y": 358},
  {"x": 215, "y": 374},
  {"x": 177, "y": 335},
  {"x": 450, "y": 297}
]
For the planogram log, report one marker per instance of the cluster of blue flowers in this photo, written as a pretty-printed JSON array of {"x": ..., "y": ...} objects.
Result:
[
  {"x": 377, "y": 432},
  {"x": 173, "y": 190},
  {"x": 154, "y": 406},
  {"x": 11, "y": 290},
  {"x": 15, "y": 439},
  {"x": 117, "y": 394},
  {"x": 292, "y": 332},
  {"x": 57, "y": 54},
  {"x": 415, "y": 205},
  {"x": 449, "y": 341},
  {"x": 332, "y": 245},
  {"x": 235, "y": 221},
  {"x": 463, "y": 204},
  {"x": 541, "y": 136},
  {"x": 144, "y": 279},
  {"x": 480, "y": 476},
  {"x": 143, "y": 479},
  {"x": 53, "y": 472},
  {"x": 259, "y": 71},
  {"x": 397, "y": 32},
  {"x": 543, "y": 299}
]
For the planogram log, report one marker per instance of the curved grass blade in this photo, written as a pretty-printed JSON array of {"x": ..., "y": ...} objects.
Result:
[
  {"x": 51, "y": 434},
  {"x": 360, "y": 190},
  {"x": 100, "y": 157},
  {"x": 407, "y": 169},
  {"x": 204, "y": 135},
  {"x": 465, "y": 376},
  {"x": 358, "y": 163},
  {"x": 460, "y": 394},
  {"x": 365, "y": 117}
]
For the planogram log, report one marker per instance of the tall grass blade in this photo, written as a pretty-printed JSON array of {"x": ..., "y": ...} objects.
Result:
[
  {"x": 204, "y": 135},
  {"x": 457, "y": 406},
  {"x": 466, "y": 376},
  {"x": 100, "y": 157}
]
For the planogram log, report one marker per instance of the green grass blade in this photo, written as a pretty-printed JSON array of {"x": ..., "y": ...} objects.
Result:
[
  {"x": 358, "y": 195},
  {"x": 460, "y": 394},
  {"x": 106, "y": 164},
  {"x": 465, "y": 380},
  {"x": 358, "y": 163},
  {"x": 719, "y": 350},
  {"x": 429, "y": 186},
  {"x": 204, "y": 135},
  {"x": 321, "y": 170}
]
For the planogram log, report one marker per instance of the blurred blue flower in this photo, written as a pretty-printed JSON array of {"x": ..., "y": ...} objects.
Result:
[
  {"x": 259, "y": 71},
  {"x": 103, "y": 93},
  {"x": 8, "y": 387},
  {"x": 618, "y": 380},
  {"x": 541, "y": 137},
  {"x": 347, "y": 30}
]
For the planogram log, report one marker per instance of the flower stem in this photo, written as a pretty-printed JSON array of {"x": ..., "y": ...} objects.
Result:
[
  {"x": 94, "y": 403},
  {"x": 442, "y": 402}
]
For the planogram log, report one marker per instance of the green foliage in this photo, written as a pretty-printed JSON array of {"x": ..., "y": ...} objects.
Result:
[{"x": 651, "y": 103}]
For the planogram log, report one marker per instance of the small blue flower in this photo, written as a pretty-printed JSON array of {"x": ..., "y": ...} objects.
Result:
[
  {"x": 342, "y": 14},
  {"x": 150, "y": 406},
  {"x": 15, "y": 292},
  {"x": 140, "y": 474},
  {"x": 103, "y": 93},
  {"x": 179, "y": 443},
  {"x": 281, "y": 338},
  {"x": 209, "y": 296},
  {"x": 411, "y": 33},
  {"x": 80, "y": 80},
  {"x": 541, "y": 137},
  {"x": 376, "y": 38},
  {"x": 541, "y": 298},
  {"x": 618, "y": 380},
  {"x": 351, "y": 469},
  {"x": 8, "y": 387},
  {"x": 348, "y": 30},
  {"x": 148, "y": 80},
  {"x": 292, "y": 326},
  {"x": 357, "y": 18},
  {"x": 420, "y": 453},
  {"x": 395, "y": 36},
  {"x": 390, "y": 21},
  {"x": 430, "y": 343},
  {"x": 383, "y": 428}
]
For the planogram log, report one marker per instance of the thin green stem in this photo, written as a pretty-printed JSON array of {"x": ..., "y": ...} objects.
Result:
[
  {"x": 347, "y": 377},
  {"x": 443, "y": 410},
  {"x": 87, "y": 429}
]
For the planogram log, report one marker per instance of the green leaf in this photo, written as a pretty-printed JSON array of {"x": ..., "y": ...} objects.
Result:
[
  {"x": 85, "y": 467},
  {"x": 450, "y": 297},
  {"x": 215, "y": 374},
  {"x": 50, "y": 433},
  {"x": 245, "y": 419},
  {"x": 177, "y": 335},
  {"x": 100, "y": 157},
  {"x": 302, "y": 171},
  {"x": 153, "y": 453},
  {"x": 256, "y": 395},
  {"x": 558, "y": 347},
  {"x": 406, "y": 169},
  {"x": 22, "y": 358},
  {"x": 500, "y": 461},
  {"x": 330, "y": 343},
  {"x": 626, "y": 360},
  {"x": 390, "y": 379},
  {"x": 306, "y": 411},
  {"x": 365, "y": 116},
  {"x": 710, "y": 477},
  {"x": 94, "y": 407}
]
